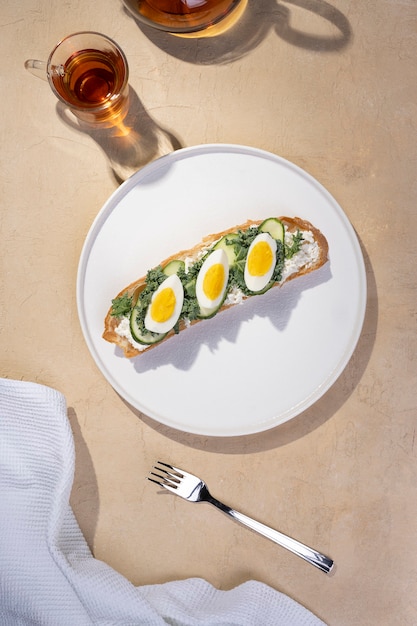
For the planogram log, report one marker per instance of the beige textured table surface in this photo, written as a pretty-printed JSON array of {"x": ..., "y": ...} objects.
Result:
[{"x": 331, "y": 87}]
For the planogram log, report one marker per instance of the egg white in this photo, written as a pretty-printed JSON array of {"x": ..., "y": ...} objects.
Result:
[
  {"x": 154, "y": 326},
  {"x": 207, "y": 305},
  {"x": 258, "y": 283}
]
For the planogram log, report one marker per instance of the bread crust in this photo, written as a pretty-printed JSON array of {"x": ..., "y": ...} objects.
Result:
[{"x": 133, "y": 290}]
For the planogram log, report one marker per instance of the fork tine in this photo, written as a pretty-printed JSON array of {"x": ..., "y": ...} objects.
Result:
[
  {"x": 167, "y": 478},
  {"x": 157, "y": 482},
  {"x": 171, "y": 467},
  {"x": 166, "y": 486},
  {"x": 163, "y": 482}
]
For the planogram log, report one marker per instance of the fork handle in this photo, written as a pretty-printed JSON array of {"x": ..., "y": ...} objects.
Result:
[{"x": 324, "y": 563}]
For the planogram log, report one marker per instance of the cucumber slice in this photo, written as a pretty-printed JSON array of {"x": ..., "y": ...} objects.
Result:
[
  {"x": 206, "y": 314},
  {"x": 147, "y": 337},
  {"x": 227, "y": 247},
  {"x": 264, "y": 290},
  {"x": 273, "y": 227},
  {"x": 173, "y": 267}
]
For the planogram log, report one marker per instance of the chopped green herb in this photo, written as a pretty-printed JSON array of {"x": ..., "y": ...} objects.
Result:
[
  {"x": 154, "y": 278},
  {"x": 279, "y": 266},
  {"x": 295, "y": 245},
  {"x": 121, "y": 306},
  {"x": 245, "y": 237},
  {"x": 241, "y": 242},
  {"x": 190, "y": 309}
]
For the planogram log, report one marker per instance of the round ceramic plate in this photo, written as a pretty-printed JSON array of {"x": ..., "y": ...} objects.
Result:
[{"x": 251, "y": 367}]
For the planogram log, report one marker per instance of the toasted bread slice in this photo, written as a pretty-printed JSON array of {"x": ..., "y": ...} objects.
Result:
[{"x": 306, "y": 264}]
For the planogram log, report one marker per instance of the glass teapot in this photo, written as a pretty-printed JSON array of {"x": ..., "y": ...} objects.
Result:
[{"x": 199, "y": 18}]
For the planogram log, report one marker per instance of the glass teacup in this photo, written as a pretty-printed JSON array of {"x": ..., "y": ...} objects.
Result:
[{"x": 88, "y": 72}]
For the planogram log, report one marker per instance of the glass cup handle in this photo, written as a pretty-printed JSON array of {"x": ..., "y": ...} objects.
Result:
[{"x": 37, "y": 68}]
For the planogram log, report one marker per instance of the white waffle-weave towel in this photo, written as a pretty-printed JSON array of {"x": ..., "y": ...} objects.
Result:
[{"x": 48, "y": 576}]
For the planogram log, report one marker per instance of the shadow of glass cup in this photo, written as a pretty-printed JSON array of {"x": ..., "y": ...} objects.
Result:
[{"x": 88, "y": 73}]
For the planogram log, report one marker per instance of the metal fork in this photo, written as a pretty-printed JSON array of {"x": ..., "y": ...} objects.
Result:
[{"x": 194, "y": 489}]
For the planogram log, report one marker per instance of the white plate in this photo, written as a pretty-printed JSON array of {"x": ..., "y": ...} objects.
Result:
[{"x": 254, "y": 366}]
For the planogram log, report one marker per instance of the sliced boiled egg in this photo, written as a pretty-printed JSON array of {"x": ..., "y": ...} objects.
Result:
[
  {"x": 211, "y": 283},
  {"x": 260, "y": 262},
  {"x": 165, "y": 306}
]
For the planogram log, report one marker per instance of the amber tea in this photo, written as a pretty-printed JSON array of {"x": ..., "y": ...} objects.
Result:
[{"x": 89, "y": 79}]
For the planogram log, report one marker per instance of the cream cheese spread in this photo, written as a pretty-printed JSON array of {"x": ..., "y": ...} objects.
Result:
[
  {"x": 123, "y": 330},
  {"x": 306, "y": 257}
]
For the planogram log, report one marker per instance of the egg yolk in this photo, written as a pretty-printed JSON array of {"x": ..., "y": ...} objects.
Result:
[
  {"x": 260, "y": 259},
  {"x": 163, "y": 305},
  {"x": 213, "y": 281}
]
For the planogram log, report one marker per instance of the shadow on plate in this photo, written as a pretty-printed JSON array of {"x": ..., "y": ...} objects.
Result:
[
  {"x": 131, "y": 145},
  {"x": 307, "y": 421},
  {"x": 182, "y": 350},
  {"x": 260, "y": 18}
]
